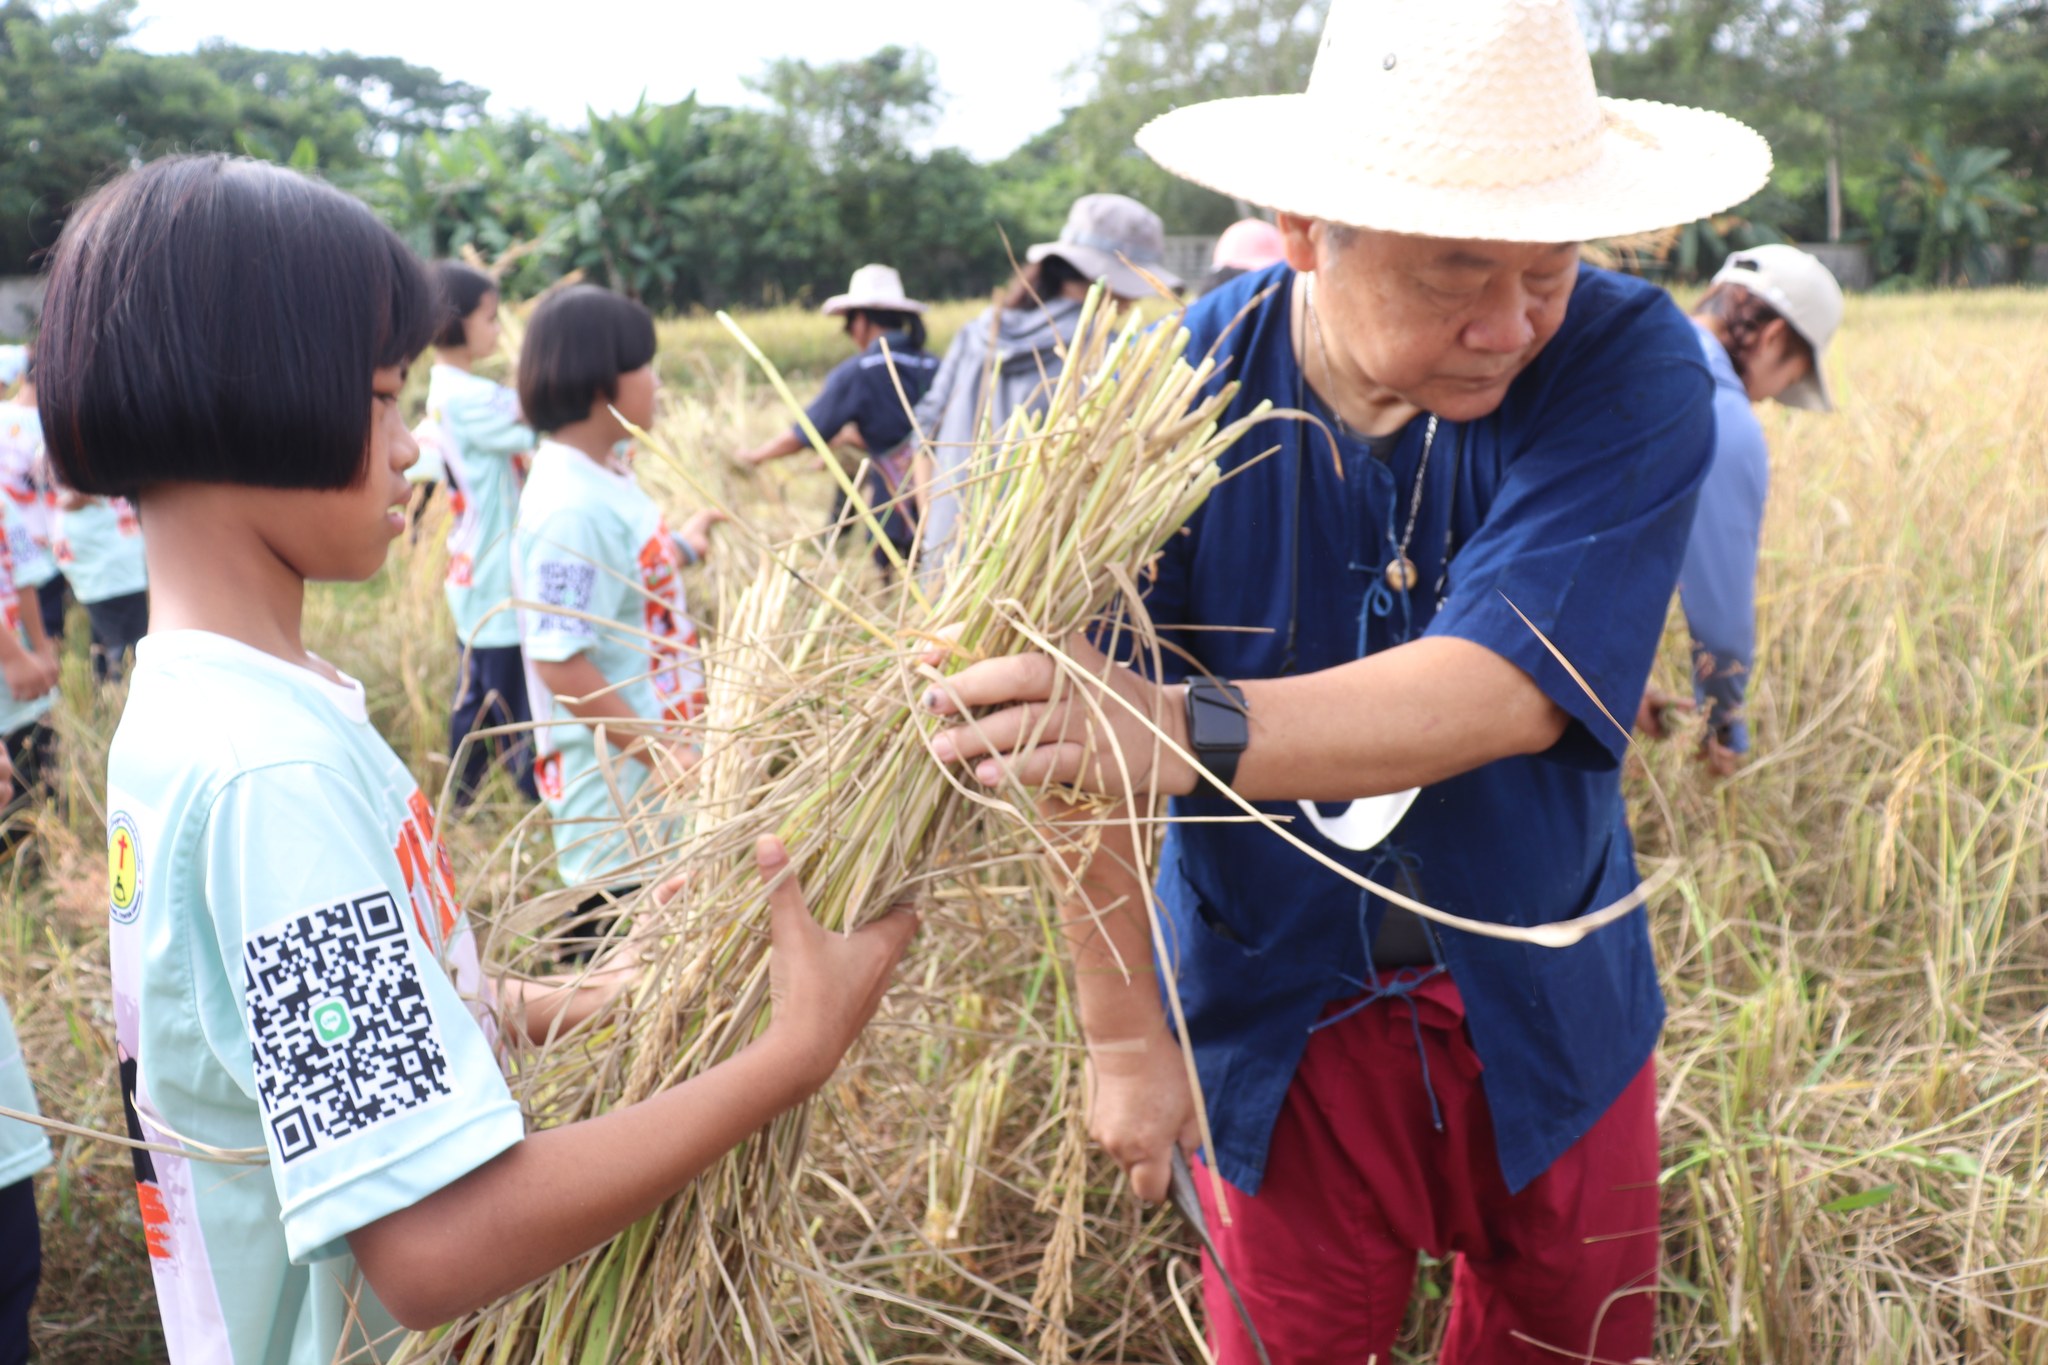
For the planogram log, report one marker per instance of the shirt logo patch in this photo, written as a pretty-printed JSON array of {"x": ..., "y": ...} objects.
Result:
[
  {"x": 340, "y": 1028},
  {"x": 124, "y": 869}
]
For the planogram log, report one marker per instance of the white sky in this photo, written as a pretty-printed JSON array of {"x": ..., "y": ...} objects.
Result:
[{"x": 1003, "y": 68}]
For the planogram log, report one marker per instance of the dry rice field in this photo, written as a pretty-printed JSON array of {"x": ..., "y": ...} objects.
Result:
[{"x": 1855, "y": 1107}]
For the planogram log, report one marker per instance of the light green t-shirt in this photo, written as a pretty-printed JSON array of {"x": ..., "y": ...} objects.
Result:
[
  {"x": 15, "y": 712},
  {"x": 593, "y": 545},
  {"x": 24, "y": 1148},
  {"x": 291, "y": 972},
  {"x": 99, "y": 550},
  {"x": 475, "y": 430}
]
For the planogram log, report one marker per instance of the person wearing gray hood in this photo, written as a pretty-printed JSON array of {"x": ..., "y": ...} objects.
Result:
[{"x": 1019, "y": 344}]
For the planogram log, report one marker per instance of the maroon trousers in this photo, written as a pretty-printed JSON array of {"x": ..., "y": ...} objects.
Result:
[{"x": 1359, "y": 1179}]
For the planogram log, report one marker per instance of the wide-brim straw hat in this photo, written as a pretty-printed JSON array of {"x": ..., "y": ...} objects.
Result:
[
  {"x": 1463, "y": 119},
  {"x": 873, "y": 286}
]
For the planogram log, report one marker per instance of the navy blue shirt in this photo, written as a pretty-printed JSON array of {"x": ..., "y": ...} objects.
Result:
[
  {"x": 1572, "y": 502},
  {"x": 861, "y": 391}
]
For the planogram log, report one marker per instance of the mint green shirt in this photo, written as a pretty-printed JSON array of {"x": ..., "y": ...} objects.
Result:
[
  {"x": 291, "y": 973},
  {"x": 22, "y": 477},
  {"x": 478, "y": 437},
  {"x": 24, "y": 1149},
  {"x": 99, "y": 550},
  {"x": 602, "y": 577},
  {"x": 14, "y": 712}
]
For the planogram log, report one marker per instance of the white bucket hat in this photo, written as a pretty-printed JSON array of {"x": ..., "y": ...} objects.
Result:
[
  {"x": 1115, "y": 239},
  {"x": 1802, "y": 290},
  {"x": 1463, "y": 119},
  {"x": 873, "y": 286}
]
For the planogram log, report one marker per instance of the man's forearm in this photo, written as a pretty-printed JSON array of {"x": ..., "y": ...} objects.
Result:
[
  {"x": 1109, "y": 940},
  {"x": 1404, "y": 718}
]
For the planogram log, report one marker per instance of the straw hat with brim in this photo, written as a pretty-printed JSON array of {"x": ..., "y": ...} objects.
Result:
[
  {"x": 1474, "y": 119},
  {"x": 876, "y": 287},
  {"x": 1115, "y": 239}
]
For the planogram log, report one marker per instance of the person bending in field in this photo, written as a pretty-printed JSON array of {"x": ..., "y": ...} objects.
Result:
[
  {"x": 292, "y": 968},
  {"x": 1764, "y": 325},
  {"x": 867, "y": 400},
  {"x": 476, "y": 426},
  {"x": 1505, "y": 442},
  {"x": 610, "y": 647}
]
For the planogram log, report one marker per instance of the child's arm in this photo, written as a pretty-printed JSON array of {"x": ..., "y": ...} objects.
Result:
[
  {"x": 585, "y": 694},
  {"x": 26, "y": 668},
  {"x": 559, "y": 1193}
]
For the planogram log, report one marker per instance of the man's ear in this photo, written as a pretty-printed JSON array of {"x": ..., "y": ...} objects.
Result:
[{"x": 1301, "y": 236}]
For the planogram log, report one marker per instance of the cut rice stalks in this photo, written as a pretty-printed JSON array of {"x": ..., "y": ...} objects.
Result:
[{"x": 816, "y": 732}]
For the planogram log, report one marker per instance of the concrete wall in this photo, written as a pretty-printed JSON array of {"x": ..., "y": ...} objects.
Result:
[
  {"x": 21, "y": 301},
  {"x": 1850, "y": 262}
]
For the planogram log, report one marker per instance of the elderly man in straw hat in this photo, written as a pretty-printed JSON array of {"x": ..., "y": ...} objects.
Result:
[{"x": 1411, "y": 629}]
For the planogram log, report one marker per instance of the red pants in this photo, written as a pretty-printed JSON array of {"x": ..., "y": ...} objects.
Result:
[{"x": 1358, "y": 1180}]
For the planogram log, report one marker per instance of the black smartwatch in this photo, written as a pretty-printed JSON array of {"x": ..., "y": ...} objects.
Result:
[{"x": 1219, "y": 728}]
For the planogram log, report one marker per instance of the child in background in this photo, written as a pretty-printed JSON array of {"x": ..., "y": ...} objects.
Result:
[
  {"x": 25, "y": 478},
  {"x": 23, "y": 1151},
  {"x": 28, "y": 665},
  {"x": 292, "y": 969},
  {"x": 615, "y": 664},
  {"x": 480, "y": 436},
  {"x": 99, "y": 550}
]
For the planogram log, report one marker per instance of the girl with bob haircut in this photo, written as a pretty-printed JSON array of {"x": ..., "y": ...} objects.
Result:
[
  {"x": 224, "y": 341},
  {"x": 476, "y": 426},
  {"x": 610, "y": 648}
]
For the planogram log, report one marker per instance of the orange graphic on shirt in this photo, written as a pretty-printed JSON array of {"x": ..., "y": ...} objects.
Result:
[
  {"x": 675, "y": 635},
  {"x": 460, "y": 568},
  {"x": 156, "y": 1220},
  {"x": 547, "y": 777},
  {"x": 125, "y": 519},
  {"x": 429, "y": 877}
]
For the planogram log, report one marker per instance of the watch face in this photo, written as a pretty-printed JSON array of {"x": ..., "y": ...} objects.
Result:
[{"x": 1216, "y": 719}]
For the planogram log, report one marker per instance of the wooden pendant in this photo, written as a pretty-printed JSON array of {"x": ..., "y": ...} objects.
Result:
[{"x": 1401, "y": 574}]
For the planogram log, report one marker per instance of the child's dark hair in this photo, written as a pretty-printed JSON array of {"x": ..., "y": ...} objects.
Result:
[
  {"x": 212, "y": 319},
  {"x": 577, "y": 344},
  {"x": 460, "y": 288},
  {"x": 894, "y": 320},
  {"x": 1041, "y": 283}
]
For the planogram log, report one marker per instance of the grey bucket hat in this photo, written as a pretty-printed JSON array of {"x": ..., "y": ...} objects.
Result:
[{"x": 1114, "y": 239}]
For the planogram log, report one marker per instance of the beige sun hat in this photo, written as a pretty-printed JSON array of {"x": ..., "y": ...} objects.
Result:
[
  {"x": 1463, "y": 119},
  {"x": 873, "y": 286},
  {"x": 1802, "y": 290}
]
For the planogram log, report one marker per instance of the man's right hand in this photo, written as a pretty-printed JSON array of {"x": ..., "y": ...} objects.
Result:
[
  {"x": 1654, "y": 717},
  {"x": 1140, "y": 1105}
]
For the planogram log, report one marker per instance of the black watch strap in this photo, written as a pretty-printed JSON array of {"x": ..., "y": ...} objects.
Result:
[{"x": 1219, "y": 728}]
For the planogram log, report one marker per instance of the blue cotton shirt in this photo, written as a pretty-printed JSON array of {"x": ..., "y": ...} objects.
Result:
[
  {"x": 862, "y": 392},
  {"x": 1573, "y": 501},
  {"x": 1717, "y": 585}
]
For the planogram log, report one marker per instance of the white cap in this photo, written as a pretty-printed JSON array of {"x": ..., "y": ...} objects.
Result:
[
  {"x": 878, "y": 287},
  {"x": 1802, "y": 291}
]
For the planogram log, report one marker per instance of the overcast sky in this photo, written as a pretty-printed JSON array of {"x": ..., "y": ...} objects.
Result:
[{"x": 1003, "y": 82}]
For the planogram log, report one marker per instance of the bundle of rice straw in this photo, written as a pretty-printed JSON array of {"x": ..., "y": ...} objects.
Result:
[{"x": 817, "y": 734}]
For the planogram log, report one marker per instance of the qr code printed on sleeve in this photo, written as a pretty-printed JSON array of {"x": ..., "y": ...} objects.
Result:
[
  {"x": 568, "y": 585},
  {"x": 339, "y": 1024}
]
